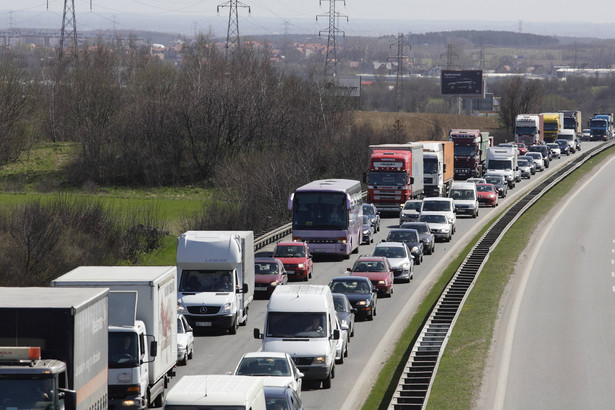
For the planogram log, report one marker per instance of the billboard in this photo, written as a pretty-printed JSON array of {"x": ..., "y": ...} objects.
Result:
[{"x": 462, "y": 82}]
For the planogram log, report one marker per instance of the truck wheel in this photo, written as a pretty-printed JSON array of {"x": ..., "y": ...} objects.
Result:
[
  {"x": 159, "y": 401},
  {"x": 233, "y": 329}
]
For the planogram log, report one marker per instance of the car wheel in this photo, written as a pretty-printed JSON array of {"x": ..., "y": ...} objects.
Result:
[
  {"x": 352, "y": 331},
  {"x": 371, "y": 315},
  {"x": 346, "y": 351},
  {"x": 326, "y": 383},
  {"x": 183, "y": 361},
  {"x": 417, "y": 261},
  {"x": 341, "y": 359},
  {"x": 191, "y": 351}
]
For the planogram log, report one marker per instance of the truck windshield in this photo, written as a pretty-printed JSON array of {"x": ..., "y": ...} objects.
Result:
[
  {"x": 570, "y": 122},
  {"x": 388, "y": 178},
  {"x": 430, "y": 165},
  {"x": 526, "y": 130},
  {"x": 29, "y": 392},
  {"x": 123, "y": 350},
  {"x": 597, "y": 123},
  {"x": 465, "y": 150},
  {"x": 500, "y": 164},
  {"x": 551, "y": 126},
  {"x": 206, "y": 281},
  {"x": 296, "y": 325}
]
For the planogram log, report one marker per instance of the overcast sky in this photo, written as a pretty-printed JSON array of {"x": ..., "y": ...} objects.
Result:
[
  {"x": 510, "y": 13},
  {"x": 597, "y": 11}
]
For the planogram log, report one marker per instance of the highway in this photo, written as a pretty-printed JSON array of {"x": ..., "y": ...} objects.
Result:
[
  {"x": 555, "y": 342},
  {"x": 218, "y": 353}
]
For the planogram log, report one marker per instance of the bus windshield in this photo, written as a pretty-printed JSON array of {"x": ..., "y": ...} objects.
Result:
[{"x": 320, "y": 210}]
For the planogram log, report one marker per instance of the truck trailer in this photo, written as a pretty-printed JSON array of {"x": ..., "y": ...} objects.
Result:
[
  {"x": 529, "y": 129},
  {"x": 216, "y": 278},
  {"x": 470, "y": 147},
  {"x": 438, "y": 167},
  {"x": 54, "y": 348},
  {"x": 142, "y": 329},
  {"x": 395, "y": 175}
]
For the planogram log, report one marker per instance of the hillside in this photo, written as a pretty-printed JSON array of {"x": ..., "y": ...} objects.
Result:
[{"x": 429, "y": 126}]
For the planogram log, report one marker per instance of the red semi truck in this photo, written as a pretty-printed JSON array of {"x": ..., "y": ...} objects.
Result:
[
  {"x": 395, "y": 175},
  {"x": 470, "y": 148}
]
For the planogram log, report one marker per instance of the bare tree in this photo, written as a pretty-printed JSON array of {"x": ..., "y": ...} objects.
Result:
[{"x": 519, "y": 96}]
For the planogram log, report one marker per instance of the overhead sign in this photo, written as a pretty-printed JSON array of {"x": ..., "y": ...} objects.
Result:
[{"x": 462, "y": 82}]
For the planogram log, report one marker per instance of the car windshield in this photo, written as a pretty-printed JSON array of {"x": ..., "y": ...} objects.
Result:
[
  {"x": 266, "y": 268},
  {"x": 462, "y": 194},
  {"x": 369, "y": 266},
  {"x": 484, "y": 188},
  {"x": 438, "y": 219},
  {"x": 495, "y": 181},
  {"x": 403, "y": 236},
  {"x": 296, "y": 324},
  {"x": 412, "y": 205},
  {"x": 554, "y": 146},
  {"x": 438, "y": 206},
  {"x": 520, "y": 162},
  {"x": 535, "y": 155},
  {"x": 263, "y": 366},
  {"x": 180, "y": 326},
  {"x": 368, "y": 210},
  {"x": 366, "y": 220},
  {"x": 420, "y": 227},
  {"x": 349, "y": 286},
  {"x": 389, "y": 251},
  {"x": 289, "y": 251}
]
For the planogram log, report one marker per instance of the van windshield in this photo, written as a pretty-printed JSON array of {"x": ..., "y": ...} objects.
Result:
[{"x": 296, "y": 325}]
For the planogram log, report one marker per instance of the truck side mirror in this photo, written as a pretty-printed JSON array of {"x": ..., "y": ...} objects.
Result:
[
  {"x": 257, "y": 333},
  {"x": 69, "y": 397},
  {"x": 364, "y": 178},
  {"x": 153, "y": 348},
  {"x": 244, "y": 289},
  {"x": 411, "y": 180},
  {"x": 443, "y": 167},
  {"x": 336, "y": 334}
]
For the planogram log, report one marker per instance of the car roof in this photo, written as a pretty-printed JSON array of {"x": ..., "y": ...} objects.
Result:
[
  {"x": 276, "y": 391},
  {"x": 265, "y": 354},
  {"x": 268, "y": 260},
  {"x": 290, "y": 243},
  {"x": 437, "y": 198},
  {"x": 371, "y": 258},
  {"x": 390, "y": 244},
  {"x": 350, "y": 278}
]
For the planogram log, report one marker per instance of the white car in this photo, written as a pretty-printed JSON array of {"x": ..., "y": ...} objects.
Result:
[
  {"x": 538, "y": 160},
  {"x": 440, "y": 206},
  {"x": 439, "y": 225},
  {"x": 399, "y": 257},
  {"x": 556, "y": 151},
  {"x": 274, "y": 368},
  {"x": 185, "y": 340},
  {"x": 341, "y": 348},
  {"x": 410, "y": 211}
]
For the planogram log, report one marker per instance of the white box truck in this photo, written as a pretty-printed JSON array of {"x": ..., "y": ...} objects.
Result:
[
  {"x": 301, "y": 320},
  {"x": 54, "y": 348},
  {"x": 503, "y": 161},
  {"x": 438, "y": 167},
  {"x": 216, "y": 391},
  {"x": 216, "y": 278},
  {"x": 142, "y": 328}
]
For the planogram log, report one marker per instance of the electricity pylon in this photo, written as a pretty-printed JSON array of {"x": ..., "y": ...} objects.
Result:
[
  {"x": 232, "y": 33},
  {"x": 331, "y": 58}
]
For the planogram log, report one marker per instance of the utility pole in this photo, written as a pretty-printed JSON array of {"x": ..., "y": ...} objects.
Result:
[
  {"x": 69, "y": 22},
  {"x": 400, "y": 58},
  {"x": 331, "y": 58},
  {"x": 232, "y": 33}
]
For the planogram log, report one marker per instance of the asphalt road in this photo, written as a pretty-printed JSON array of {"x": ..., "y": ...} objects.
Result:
[
  {"x": 218, "y": 353},
  {"x": 556, "y": 346}
]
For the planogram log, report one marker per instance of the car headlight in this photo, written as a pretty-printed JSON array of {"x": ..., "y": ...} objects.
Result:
[
  {"x": 366, "y": 232},
  {"x": 301, "y": 266},
  {"x": 405, "y": 266},
  {"x": 181, "y": 346},
  {"x": 382, "y": 282},
  {"x": 427, "y": 241},
  {"x": 274, "y": 283},
  {"x": 362, "y": 302},
  {"x": 414, "y": 249},
  {"x": 320, "y": 360},
  {"x": 491, "y": 195},
  {"x": 226, "y": 309},
  {"x": 445, "y": 229}
]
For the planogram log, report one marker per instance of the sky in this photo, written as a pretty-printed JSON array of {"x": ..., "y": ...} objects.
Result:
[{"x": 508, "y": 15}]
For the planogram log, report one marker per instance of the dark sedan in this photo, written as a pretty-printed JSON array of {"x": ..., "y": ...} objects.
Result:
[
  {"x": 564, "y": 146},
  {"x": 544, "y": 150},
  {"x": 412, "y": 240},
  {"x": 499, "y": 182},
  {"x": 428, "y": 239},
  {"x": 359, "y": 290}
]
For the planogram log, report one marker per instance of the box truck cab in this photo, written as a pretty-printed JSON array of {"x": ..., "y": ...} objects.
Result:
[
  {"x": 142, "y": 329},
  {"x": 466, "y": 198},
  {"x": 213, "y": 391},
  {"x": 216, "y": 278},
  {"x": 503, "y": 161},
  {"x": 301, "y": 320}
]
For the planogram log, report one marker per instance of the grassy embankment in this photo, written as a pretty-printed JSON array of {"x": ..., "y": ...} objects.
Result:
[{"x": 462, "y": 365}]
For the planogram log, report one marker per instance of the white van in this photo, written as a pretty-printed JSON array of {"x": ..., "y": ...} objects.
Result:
[
  {"x": 216, "y": 391},
  {"x": 301, "y": 320},
  {"x": 466, "y": 198},
  {"x": 569, "y": 135}
]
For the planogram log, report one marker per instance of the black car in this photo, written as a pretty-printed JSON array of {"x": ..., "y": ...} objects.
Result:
[
  {"x": 373, "y": 214},
  {"x": 345, "y": 313},
  {"x": 564, "y": 146},
  {"x": 544, "y": 150},
  {"x": 361, "y": 293},
  {"x": 281, "y": 397},
  {"x": 412, "y": 240},
  {"x": 428, "y": 239}
]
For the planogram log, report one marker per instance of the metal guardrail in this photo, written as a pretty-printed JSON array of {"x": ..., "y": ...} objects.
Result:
[{"x": 416, "y": 381}]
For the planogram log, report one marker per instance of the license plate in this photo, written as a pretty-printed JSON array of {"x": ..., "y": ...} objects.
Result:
[
  {"x": 203, "y": 324},
  {"x": 290, "y": 272}
]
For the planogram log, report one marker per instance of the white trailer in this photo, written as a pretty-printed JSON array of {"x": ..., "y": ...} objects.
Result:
[
  {"x": 142, "y": 328},
  {"x": 216, "y": 278}
]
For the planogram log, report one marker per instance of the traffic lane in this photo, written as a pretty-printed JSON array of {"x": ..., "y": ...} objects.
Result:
[
  {"x": 218, "y": 353},
  {"x": 562, "y": 354}
]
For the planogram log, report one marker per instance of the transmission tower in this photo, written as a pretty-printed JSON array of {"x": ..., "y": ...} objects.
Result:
[
  {"x": 451, "y": 57},
  {"x": 232, "y": 33},
  {"x": 331, "y": 58},
  {"x": 69, "y": 22},
  {"x": 400, "y": 58}
]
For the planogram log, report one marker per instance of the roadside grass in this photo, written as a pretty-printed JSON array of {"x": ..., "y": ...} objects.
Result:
[{"x": 462, "y": 365}]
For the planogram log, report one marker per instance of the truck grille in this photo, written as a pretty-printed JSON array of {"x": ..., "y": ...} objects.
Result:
[
  {"x": 197, "y": 310},
  {"x": 303, "y": 361}
]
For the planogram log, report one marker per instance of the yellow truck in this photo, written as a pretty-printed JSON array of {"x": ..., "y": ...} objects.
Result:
[{"x": 553, "y": 124}]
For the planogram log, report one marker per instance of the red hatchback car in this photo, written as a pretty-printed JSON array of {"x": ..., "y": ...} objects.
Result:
[
  {"x": 269, "y": 273},
  {"x": 377, "y": 270},
  {"x": 487, "y": 194},
  {"x": 296, "y": 258}
]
